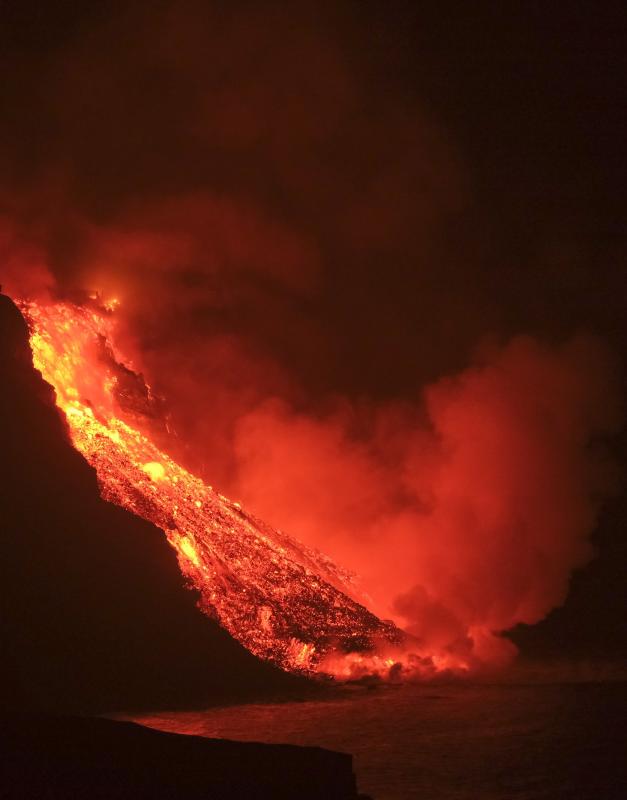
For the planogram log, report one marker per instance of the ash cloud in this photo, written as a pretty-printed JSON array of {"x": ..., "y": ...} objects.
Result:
[{"x": 301, "y": 245}]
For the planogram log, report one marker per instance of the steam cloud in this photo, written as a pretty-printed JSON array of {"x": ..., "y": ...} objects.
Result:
[
  {"x": 462, "y": 524},
  {"x": 259, "y": 195}
]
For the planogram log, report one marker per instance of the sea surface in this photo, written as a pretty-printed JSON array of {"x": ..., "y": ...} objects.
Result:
[{"x": 448, "y": 742}]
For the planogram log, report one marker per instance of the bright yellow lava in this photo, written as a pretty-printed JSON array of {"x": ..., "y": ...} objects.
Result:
[
  {"x": 154, "y": 470},
  {"x": 284, "y": 602}
]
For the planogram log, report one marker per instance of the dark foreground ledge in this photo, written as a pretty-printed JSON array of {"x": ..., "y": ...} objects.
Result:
[{"x": 82, "y": 757}]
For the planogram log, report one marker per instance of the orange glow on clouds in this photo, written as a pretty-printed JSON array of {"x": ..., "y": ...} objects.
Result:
[
  {"x": 462, "y": 520},
  {"x": 284, "y": 602}
]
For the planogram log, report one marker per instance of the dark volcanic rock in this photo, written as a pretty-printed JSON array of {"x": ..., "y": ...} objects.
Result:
[
  {"x": 93, "y": 612},
  {"x": 93, "y": 617},
  {"x": 75, "y": 757}
]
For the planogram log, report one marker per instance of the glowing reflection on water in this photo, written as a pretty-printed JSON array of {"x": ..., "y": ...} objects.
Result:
[{"x": 448, "y": 742}]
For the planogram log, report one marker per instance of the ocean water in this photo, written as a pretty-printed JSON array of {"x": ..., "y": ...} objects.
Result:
[{"x": 448, "y": 742}]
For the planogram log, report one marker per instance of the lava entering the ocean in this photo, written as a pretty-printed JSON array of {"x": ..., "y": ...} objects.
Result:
[{"x": 284, "y": 602}]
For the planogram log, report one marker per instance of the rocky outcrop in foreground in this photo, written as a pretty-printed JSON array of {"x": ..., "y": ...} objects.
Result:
[{"x": 79, "y": 757}]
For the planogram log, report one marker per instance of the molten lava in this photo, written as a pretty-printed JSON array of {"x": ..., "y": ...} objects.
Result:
[{"x": 284, "y": 602}]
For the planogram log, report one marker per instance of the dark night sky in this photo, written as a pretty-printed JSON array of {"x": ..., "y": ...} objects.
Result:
[
  {"x": 409, "y": 179},
  {"x": 492, "y": 137}
]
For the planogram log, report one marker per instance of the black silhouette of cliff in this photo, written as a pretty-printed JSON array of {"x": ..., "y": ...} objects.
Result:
[
  {"x": 94, "y": 615},
  {"x": 72, "y": 757}
]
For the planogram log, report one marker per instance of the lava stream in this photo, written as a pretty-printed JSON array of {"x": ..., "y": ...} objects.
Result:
[{"x": 285, "y": 603}]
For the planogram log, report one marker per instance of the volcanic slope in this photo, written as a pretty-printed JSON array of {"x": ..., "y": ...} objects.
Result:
[
  {"x": 285, "y": 603},
  {"x": 94, "y": 615}
]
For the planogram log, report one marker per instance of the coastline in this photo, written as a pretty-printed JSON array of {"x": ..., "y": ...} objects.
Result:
[{"x": 60, "y": 756}]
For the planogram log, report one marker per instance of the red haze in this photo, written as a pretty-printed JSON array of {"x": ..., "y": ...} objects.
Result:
[
  {"x": 464, "y": 523},
  {"x": 298, "y": 245}
]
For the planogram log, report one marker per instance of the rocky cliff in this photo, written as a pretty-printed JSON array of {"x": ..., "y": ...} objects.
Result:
[{"x": 93, "y": 611}]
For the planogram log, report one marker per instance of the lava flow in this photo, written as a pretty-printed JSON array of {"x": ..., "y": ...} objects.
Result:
[{"x": 284, "y": 602}]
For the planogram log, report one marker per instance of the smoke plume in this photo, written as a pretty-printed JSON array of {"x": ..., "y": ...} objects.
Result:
[
  {"x": 303, "y": 270},
  {"x": 465, "y": 515}
]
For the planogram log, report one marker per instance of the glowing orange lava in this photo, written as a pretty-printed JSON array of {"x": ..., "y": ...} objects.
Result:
[{"x": 284, "y": 602}]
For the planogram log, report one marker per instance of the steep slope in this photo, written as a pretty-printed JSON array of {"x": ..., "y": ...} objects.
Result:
[
  {"x": 93, "y": 611},
  {"x": 285, "y": 603}
]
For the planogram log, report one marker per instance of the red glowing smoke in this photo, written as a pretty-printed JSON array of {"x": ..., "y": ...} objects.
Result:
[
  {"x": 464, "y": 512},
  {"x": 282, "y": 229},
  {"x": 464, "y": 522}
]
